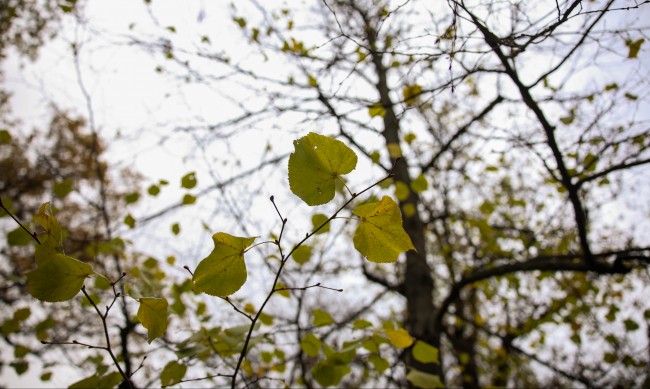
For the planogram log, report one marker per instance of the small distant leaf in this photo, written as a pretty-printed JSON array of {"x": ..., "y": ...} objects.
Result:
[
  {"x": 631, "y": 325},
  {"x": 20, "y": 366},
  {"x": 241, "y": 22},
  {"x": 376, "y": 110},
  {"x": 611, "y": 87},
  {"x": 22, "y": 314},
  {"x": 188, "y": 181},
  {"x": 327, "y": 373},
  {"x": 176, "y": 229},
  {"x": 316, "y": 164},
  {"x": 153, "y": 316},
  {"x": 423, "y": 380},
  {"x": 411, "y": 94},
  {"x": 312, "y": 81},
  {"x": 399, "y": 338},
  {"x": 375, "y": 156},
  {"x": 394, "y": 150},
  {"x": 310, "y": 345},
  {"x": 129, "y": 221},
  {"x": 63, "y": 188},
  {"x": 322, "y": 318},
  {"x": 189, "y": 199},
  {"x": 153, "y": 190},
  {"x": 5, "y": 137},
  {"x": 317, "y": 220},
  {"x": 280, "y": 288},
  {"x": 420, "y": 184},
  {"x": 46, "y": 376},
  {"x": 132, "y": 197},
  {"x": 634, "y": 47},
  {"x": 380, "y": 236},
  {"x": 223, "y": 272},
  {"x": 172, "y": 374},
  {"x": 171, "y": 28},
  {"x": 57, "y": 277},
  {"x": 401, "y": 191},
  {"x": 425, "y": 353},
  {"x": 409, "y": 138},
  {"x": 302, "y": 254},
  {"x": 20, "y": 351}
]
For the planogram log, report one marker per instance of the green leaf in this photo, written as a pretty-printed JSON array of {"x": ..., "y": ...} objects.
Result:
[
  {"x": 63, "y": 188},
  {"x": 376, "y": 110},
  {"x": 132, "y": 197},
  {"x": 20, "y": 366},
  {"x": 401, "y": 191},
  {"x": 241, "y": 22},
  {"x": 327, "y": 373},
  {"x": 423, "y": 380},
  {"x": 189, "y": 199},
  {"x": 302, "y": 254},
  {"x": 310, "y": 345},
  {"x": 379, "y": 363},
  {"x": 360, "y": 324},
  {"x": 110, "y": 380},
  {"x": 634, "y": 47},
  {"x": 425, "y": 353},
  {"x": 153, "y": 316},
  {"x": 322, "y": 318},
  {"x": 172, "y": 373},
  {"x": 630, "y": 325},
  {"x": 153, "y": 190},
  {"x": 20, "y": 351},
  {"x": 399, "y": 338},
  {"x": 19, "y": 237},
  {"x": 176, "y": 229},
  {"x": 420, "y": 184},
  {"x": 380, "y": 236},
  {"x": 317, "y": 220},
  {"x": 88, "y": 382},
  {"x": 53, "y": 235},
  {"x": 22, "y": 314},
  {"x": 312, "y": 81},
  {"x": 316, "y": 164},
  {"x": 129, "y": 221},
  {"x": 223, "y": 272},
  {"x": 57, "y": 277},
  {"x": 411, "y": 94},
  {"x": 188, "y": 181},
  {"x": 5, "y": 137},
  {"x": 46, "y": 376}
]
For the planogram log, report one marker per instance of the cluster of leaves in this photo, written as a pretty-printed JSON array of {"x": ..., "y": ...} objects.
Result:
[{"x": 316, "y": 165}]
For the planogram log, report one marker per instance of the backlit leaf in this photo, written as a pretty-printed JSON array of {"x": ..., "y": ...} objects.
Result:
[
  {"x": 327, "y": 373},
  {"x": 399, "y": 338},
  {"x": 153, "y": 316},
  {"x": 223, "y": 272},
  {"x": 411, "y": 93},
  {"x": 379, "y": 363},
  {"x": 189, "y": 199},
  {"x": 53, "y": 235},
  {"x": 376, "y": 110},
  {"x": 172, "y": 373},
  {"x": 310, "y": 345},
  {"x": 360, "y": 324},
  {"x": 63, "y": 188},
  {"x": 316, "y": 164},
  {"x": 317, "y": 220},
  {"x": 423, "y": 380},
  {"x": 380, "y": 236},
  {"x": 420, "y": 184},
  {"x": 302, "y": 254},
  {"x": 57, "y": 277},
  {"x": 425, "y": 353},
  {"x": 322, "y": 318},
  {"x": 18, "y": 237}
]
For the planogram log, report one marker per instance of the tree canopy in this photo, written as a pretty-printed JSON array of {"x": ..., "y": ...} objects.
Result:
[{"x": 372, "y": 193}]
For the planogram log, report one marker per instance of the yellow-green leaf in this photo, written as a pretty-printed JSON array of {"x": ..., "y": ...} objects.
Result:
[
  {"x": 423, "y": 380},
  {"x": 302, "y": 254},
  {"x": 425, "y": 353},
  {"x": 188, "y": 181},
  {"x": 129, "y": 221},
  {"x": 312, "y": 81},
  {"x": 57, "y": 277},
  {"x": 153, "y": 316},
  {"x": 310, "y": 345},
  {"x": 172, "y": 373},
  {"x": 379, "y": 363},
  {"x": 189, "y": 199},
  {"x": 53, "y": 235},
  {"x": 380, "y": 236},
  {"x": 223, "y": 272},
  {"x": 5, "y": 137},
  {"x": 317, "y": 220},
  {"x": 19, "y": 237},
  {"x": 634, "y": 47},
  {"x": 316, "y": 164},
  {"x": 420, "y": 184},
  {"x": 401, "y": 190},
  {"x": 411, "y": 94},
  {"x": 63, "y": 188},
  {"x": 376, "y": 110},
  {"x": 399, "y": 338},
  {"x": 322, "y": 318}
]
